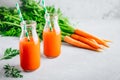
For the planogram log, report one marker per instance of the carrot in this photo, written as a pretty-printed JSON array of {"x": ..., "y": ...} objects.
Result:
[
  {"x": 87, "y": 35},
  {"x": 86, "y": 41},
  {"x": 78, "y": 43}
]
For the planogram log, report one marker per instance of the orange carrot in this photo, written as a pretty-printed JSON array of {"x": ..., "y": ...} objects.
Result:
[
  {"x": 87, "y": 35},
  {"x": 78, "y": 43},
  {"x": 85, "y": 40}
]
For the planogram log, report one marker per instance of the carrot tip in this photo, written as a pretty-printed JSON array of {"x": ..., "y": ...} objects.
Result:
[
  {"x": 106, "y": 46},
  {"x": 107, "y": 40},
  {"x": 99, "y": 50}
]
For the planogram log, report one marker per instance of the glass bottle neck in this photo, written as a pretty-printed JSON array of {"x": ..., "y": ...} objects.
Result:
[
  {"x": 53, "y": 22},
  {"x": 30, "y": 27}
]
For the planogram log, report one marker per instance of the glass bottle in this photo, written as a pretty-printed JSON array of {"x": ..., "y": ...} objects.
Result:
[
  {"x": 51, "y": 37},
  {"x": 29, "y": 47}
]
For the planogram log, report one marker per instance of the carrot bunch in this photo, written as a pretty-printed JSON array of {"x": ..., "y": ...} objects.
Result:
[{"x": 82, "y": 39}]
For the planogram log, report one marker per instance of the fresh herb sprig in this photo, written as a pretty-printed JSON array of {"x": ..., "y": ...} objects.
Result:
[
  {"x": 11, "y": 71},
  {"x": 10, "y": 53}
]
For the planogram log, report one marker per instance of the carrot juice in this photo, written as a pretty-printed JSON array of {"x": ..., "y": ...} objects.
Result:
[
  {"x": 52, "y": 43},
  {"x": 29, "y": 54},
  {"x": 29, "y": 48}
]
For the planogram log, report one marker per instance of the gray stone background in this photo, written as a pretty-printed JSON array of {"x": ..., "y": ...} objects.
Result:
[{"x": 79, "y": 9}]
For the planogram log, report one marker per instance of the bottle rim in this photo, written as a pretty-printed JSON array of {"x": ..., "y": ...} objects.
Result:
[{"x": 28, "y": 23}]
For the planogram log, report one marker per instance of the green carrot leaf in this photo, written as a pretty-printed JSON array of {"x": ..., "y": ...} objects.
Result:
[
  {"x": 11, "y": 71},
  {"x": 10, "y": 53}
]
